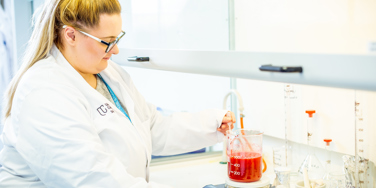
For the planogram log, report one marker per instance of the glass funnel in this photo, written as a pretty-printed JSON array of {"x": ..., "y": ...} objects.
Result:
[
  {"x": 311, "y": 163},
  {"x": 328, "y": 160}
]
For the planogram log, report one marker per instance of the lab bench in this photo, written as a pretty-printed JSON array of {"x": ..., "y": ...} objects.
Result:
[
  {"x": 195, "y": 170},
  {"x": 199, "y": 170}
]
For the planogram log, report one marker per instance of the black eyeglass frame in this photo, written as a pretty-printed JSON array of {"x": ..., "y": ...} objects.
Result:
[{"x": 109, "y": 45}]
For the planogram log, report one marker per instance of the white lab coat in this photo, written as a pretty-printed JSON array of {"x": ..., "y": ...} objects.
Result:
[{"x": 63, "y": 133}]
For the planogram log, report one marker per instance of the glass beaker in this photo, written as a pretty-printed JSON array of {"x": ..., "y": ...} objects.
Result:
[
  {"x": 336, "y": 179},
  {"x": 282, "y": 165},
  {"x": 244, "y": 155},
  {"x": 356, "y": 171}
]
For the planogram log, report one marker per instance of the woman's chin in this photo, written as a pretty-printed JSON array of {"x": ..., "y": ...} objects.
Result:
[{"x": 103, "y": 65}]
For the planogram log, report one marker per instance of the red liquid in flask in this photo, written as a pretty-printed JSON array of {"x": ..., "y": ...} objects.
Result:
[{"x": 245, "y": 167}]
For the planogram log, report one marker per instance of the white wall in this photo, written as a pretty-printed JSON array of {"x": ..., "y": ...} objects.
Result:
[
  {"x": 180, "y": 92},
  {"x": 169, "y": 24},
  {"x": 306, "y": 26},
  {"x": 335, "y": 26},
  {"x": 187, "y": 24}
]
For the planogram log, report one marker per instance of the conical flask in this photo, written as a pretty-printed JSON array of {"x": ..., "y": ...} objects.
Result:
[
  {"x": 311, "y": 163},
  {"x": 328, "y": 159}
]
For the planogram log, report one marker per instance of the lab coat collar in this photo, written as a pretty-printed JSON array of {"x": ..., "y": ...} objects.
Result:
[
  {"x": 111, "y": 77},
  {"x": 60, "y": 60}
]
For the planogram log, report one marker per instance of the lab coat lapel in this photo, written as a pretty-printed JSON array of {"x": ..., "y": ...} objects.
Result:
[
  {"x": 112, "y": 79},
  {"x": 122, "y": 93},
  {"x": 76, "y": 77}
]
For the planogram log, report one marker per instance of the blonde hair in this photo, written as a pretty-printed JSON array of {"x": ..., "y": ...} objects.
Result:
[{"x": 55, "y": 14}]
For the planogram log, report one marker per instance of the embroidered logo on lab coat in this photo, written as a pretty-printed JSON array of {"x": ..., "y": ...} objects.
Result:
[{"x": 104, "y": 109}]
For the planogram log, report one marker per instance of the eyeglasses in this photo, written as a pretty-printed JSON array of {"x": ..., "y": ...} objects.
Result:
[{"x": 110, "y": 45}]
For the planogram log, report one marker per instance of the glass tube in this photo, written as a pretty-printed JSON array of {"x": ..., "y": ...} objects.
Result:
[
  {"x": 328, "y": 158},
  {"x": 311, "y": 163}
]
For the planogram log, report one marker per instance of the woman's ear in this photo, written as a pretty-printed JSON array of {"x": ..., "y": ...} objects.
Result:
[{"x": 70, "y": 35}]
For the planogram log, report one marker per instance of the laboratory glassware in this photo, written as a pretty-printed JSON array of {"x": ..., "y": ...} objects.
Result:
[
  {"x": 336, "y": 180},
  {"x": 357, "y": 166},
  {"x": 282, "y": 176},
  {"x": 355, "y": 169},
  {"x": 244, "y": 154},
  {"x": 282, "y": 155},
  {"x": 328, "y": 160},
  {"x": 311, "y": 163},
  {"x": 290, "y": 95},
  {"x": 292, "y": 104},
  {"x": 281, "y": 167},
  {"x": 241, "y": 109}
]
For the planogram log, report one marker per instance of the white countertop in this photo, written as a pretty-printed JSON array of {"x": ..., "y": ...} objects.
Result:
[{"x": 193, "y": 172}]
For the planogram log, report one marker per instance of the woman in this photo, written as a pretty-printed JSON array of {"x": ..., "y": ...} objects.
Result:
[{"x": 75, "y": 119}]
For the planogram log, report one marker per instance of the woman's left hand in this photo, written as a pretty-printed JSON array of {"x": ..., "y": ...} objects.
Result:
[{"x": 227, "y": 122}]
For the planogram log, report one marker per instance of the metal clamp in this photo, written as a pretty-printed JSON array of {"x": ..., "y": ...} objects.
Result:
[
  {"x": 271, "y": 68},
  {"x": 135, "y": 58}
]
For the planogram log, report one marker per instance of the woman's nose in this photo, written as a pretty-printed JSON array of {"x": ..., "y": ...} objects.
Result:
[{"x": 115, "y": 50}]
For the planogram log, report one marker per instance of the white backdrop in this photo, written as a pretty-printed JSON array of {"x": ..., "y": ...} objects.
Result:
[{"x": 169, "y": 24}]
